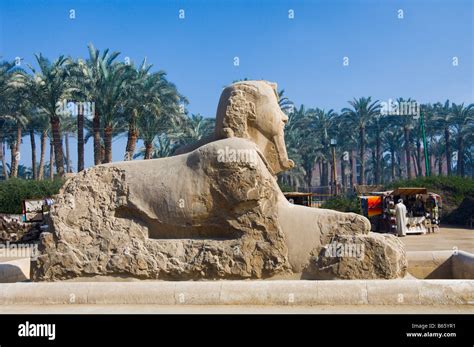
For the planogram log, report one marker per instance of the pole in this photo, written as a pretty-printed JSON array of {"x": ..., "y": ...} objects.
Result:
[
  {"x": 334, "y": 169},
  {"x": 427, "y": 165}
]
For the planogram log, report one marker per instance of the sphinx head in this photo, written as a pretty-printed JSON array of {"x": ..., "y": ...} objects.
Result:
[{"x": 250, "y": 110}]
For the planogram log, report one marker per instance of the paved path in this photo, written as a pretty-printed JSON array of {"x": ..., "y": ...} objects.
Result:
[
  {"x": 446, "y": 239},
  {"x": 233, "y": 309}
]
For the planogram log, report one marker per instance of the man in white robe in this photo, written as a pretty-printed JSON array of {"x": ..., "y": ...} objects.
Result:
[{"x": 401, "y": 215}]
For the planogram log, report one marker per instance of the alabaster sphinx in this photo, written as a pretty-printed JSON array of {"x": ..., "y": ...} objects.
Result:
[{"x": 215, "y": 211}]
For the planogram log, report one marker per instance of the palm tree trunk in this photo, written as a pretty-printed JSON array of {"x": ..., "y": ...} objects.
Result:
[
  {"x": 431, "y": 163},
  {"x": 400, "y": 171},
  {"x": 320, "y": 172},
  {"x": 343, "y": 172},
  {"x": 33, "y": 153},
  {"x": 58, "y": 145},
  {"x": 460, "y": 164},
  {"x": 382, "y": 170},
  {"x": 15, "y": 147},
  {"x": 361, "y": 155},
  {"x": 374, "y": 165},
  {"x": 413, "y": 158},
  {"x": 97, "y": 144},
  {"x": 377, "y": 158},
  {"x": 68, "y": 161},
  {"x": 44, "y": 137},
  {"x": 80, "y": 139},
  {"x": 448, "y": 150},
  {"x": 392, "y": 159},
  {"x": 325, "y": 180},
  {"x": 418, "y": 158},
  {"x": 406, "y": 133},
  {"x": 431, "y": 155},
  {"x": 309, "y": 175},
  {"x": 108, "y": 144},
  {"x": 148, "y": 150},
  {"x": 132, "y": 136},
  {"x": 13, "y": 172},
  {"x": 351, "y": 163},
  {"x": 102, "y": 153},
  {"x": 18, "y": 147},
  {"x": 440, "y": 165},
  {"x": 2, "y": 157},
  {"x": 51, "y": 160}
]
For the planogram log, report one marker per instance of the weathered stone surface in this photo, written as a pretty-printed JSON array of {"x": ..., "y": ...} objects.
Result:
[
  {"x": 212, "y": 212},
  {"x": 368, "y": 256},
  {"x": 13, "y": 230},
  {"x": 100, "y": 225}
]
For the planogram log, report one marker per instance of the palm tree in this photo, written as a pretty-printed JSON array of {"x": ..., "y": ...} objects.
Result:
[
  {"x": 158, "y": 111},
  {"x": 33, "y": 125},
  {"x": 6, "y": 93},
  {"x": 79, "y": 78},
  {"x": 322, "y": 128},
  {"x": 444, "y": 119},
  {"x": 43, "y": 127},
  {"x": 103, "y": 82},
  {"x": 193, "y": 129},
  {"x": 431, "y": 132},
  {"x": 80, "y": 137},
  {"x": 286, "y": 104},
  {"x": 136, "y": 92},
  {"x": 68, "y": 127},
  {"x": 2, "y": 151},
  {"x": 19, "y": 109},
  {"x": 407, "y": 124},
  {"x": 438, "y": 152},
  {"x": 362, "y": 112},
  {"x": 49, "y": 85},
  {"x": 163, "y": 146},
  {"x": 149, "y": 126},
  {"x": 377, "y": 124},
  {"x": 111, "y": 92},
  {"x": 295, "y": 176},
  {"x": 391, "y": 139},
  {"x": 463, "y": 123}
]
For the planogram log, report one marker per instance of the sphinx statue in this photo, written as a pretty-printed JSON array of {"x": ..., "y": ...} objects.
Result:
[{"x": 214, "y": 211}]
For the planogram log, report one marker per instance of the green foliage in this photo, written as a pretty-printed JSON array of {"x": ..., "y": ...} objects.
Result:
[
  {"x": 455, "y": 185},
  {"x": 342, "y": 204},
  {"x": 285, "y": 188},
  {"x": 14, "y": 191}
]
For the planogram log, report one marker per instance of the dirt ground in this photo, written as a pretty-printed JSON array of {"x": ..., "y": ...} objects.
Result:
[{"x": 447, "y": 238}]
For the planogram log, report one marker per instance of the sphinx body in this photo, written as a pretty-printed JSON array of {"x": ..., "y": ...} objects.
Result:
[{"x": 215, "y": 211}]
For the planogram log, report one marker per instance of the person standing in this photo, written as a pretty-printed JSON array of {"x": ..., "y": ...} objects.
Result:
[{"x": 401, "y": 216}]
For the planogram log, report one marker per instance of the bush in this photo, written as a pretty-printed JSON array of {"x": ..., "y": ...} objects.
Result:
[
  {"x": 14, "y": 191},
  {"x": 342, "y": 204},
  {"x": 459, "y": 186}
]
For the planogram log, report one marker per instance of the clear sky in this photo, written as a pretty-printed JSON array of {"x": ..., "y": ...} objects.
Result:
[{"x": 389, "y": 57}]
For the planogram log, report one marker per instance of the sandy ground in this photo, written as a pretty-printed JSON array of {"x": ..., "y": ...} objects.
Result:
[
  {"x": 445, "y": 239},
  {"x": 230, "y": 309}
]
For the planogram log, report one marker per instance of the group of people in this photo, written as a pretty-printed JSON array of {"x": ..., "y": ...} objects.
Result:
[{"x": 417, "y": 207}]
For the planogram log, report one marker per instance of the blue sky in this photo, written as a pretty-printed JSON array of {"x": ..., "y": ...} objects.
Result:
[{"x": 388, "y": 57}]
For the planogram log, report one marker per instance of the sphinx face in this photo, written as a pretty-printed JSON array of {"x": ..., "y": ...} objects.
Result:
[{"x": 270, "y": 122}]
